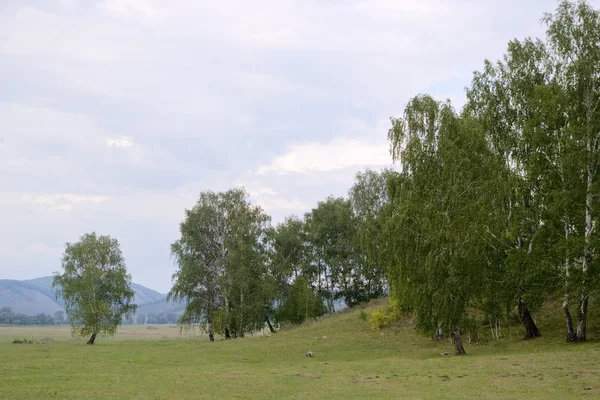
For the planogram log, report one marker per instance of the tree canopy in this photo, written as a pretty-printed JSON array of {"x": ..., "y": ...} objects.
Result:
[{"x": 95, "y": 286}]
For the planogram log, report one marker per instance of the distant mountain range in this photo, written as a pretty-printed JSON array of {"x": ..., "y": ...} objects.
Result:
[{"x": 36, "y": 296}]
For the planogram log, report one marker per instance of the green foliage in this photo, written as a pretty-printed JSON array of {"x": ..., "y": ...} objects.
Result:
[
  {"x": 539, "y": 107},
  {"x": 443, "y": 213},
  {"x": 363, "y": 315},
  {"x": 383, "y": 318},
  {"x": 368, "y": 197},
  {"x": 159, "y": 318},
  {"x": 94, "y": 285},
  {"x": 7, "y": 316},
  {"x": 223, "y": 265},
  {"x": 330, "y": 231},
  {"x": 300, "y": 304},
  {"x": 59, "y": 317}
]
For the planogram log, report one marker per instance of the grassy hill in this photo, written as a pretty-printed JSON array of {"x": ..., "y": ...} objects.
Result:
[
  {"x": 36, "y": 296},
  {"x": 26, "y": 299},
  {"x": 351, "y": 361}
]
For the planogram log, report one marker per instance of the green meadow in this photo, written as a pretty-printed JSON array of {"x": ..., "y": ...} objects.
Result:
[{"x": 351, "y": 361}]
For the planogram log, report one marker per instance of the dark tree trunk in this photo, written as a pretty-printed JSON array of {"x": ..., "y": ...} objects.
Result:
[
  {"x": 241, "y": 333},
  {"x": 531, "y": 330},
  {"x": 227, "y": 334},
  {"x": 571, "y": 336},
  {"x": 582, "y": 318},
  {"x": 269, "y": 323},
  {"x": 211, "y": 331},
  {"x": 458, "y": 346},
  {"x": 92, "y": 338}
]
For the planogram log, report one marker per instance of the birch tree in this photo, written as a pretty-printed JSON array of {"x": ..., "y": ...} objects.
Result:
[
  {"x": 441, "y": 219},
  {"x": 222, "y": 264},
  {"x": 95, "y": 286},
  {"x": 539, "y": 106},
  {"x": 574, "y": 42},
  {"x": 367, "y": 197}
]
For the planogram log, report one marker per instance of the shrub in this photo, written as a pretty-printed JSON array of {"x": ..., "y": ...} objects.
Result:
[
  {"x": 384, "y": 318},
  {"x": 363, "y": 315}
]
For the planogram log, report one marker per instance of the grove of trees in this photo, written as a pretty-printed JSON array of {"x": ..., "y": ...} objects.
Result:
[
  {"x": 492, "y": 211},
  {"x": 9, "y": 317}
]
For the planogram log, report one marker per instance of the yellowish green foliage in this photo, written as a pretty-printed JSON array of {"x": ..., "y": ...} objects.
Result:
[{"x": 383, "y": 318}]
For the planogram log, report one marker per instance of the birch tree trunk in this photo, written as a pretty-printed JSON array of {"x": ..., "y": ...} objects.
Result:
[
  {"x": 458, "y": 346},
  {"x": 211, "y": 333},
  {"x": 92, "y": 338},
  {"x": 531, "y": 329},
  {"x": 571, "y": 336},
  {"x": 269, "y": 324},
  {"x": 587, "y": 251}
]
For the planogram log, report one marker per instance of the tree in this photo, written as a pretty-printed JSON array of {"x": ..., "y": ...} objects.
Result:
[
  {"x": 289, "y": 248},
  {"x": 59, "y": 317},
  {"x": 6, "y": 315},
  {"x": 300, "y": 303},
  {"x": 223, "y": 268},
  {"x": 141, "y": 319},
  {"x": 442, "y": 214},
  {"x": 521, "y": 277},
  {"x": 331, "y": 231},
  {"x": 94, "y": 285},
  {"x": 152, "y": 318},
  {"x": 541, "y": 111},
  {"x": 368, "y": 196},
  {"x": 573, "y": 39}
]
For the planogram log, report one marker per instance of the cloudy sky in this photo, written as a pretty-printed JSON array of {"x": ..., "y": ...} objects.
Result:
[{"x": 115, "y": 114}]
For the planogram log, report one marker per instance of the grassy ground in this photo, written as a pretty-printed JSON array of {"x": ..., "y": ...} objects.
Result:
[
  {"x": 126, "y": 332},
  {"x": 353, "y": 361}
]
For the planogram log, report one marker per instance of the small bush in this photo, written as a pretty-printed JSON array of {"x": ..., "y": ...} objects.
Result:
[
  {"x": 379, "y": 320},
  {"x": 384, "y": 318},
  {"x": 363, "y": 315},
  {"x": 22, "y": 341}
]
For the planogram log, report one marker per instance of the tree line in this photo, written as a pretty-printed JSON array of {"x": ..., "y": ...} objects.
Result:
[
  {"x": 496, "y": 207},
  {"x": 236, "y": 271},
  {"x": 493, "y": 209},
  {"x": 9, "y": 317}
]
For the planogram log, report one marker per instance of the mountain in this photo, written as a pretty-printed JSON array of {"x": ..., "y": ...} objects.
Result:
[
  {"x": 36, "y": 296},
  {"x": 26, "y": 298}
]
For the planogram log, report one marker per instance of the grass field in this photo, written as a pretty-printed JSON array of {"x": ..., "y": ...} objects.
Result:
[
  {"x": 126, "y": 332},
  {"x": 353, "y": 361}
]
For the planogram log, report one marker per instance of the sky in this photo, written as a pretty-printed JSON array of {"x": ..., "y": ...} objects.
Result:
[{"x": 116, "y": 114}]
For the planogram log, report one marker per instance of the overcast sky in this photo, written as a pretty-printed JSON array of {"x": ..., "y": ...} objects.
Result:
[{"x": 116, "y": 114}]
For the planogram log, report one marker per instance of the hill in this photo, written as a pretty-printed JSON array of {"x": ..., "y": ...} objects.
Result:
[{"x": 36, "y": 296}]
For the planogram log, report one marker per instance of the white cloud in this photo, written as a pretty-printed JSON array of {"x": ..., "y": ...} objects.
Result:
[
  {"x": 261, "y": 191},
  {"x": 124, "y": 7},
  {"x": 124, "y": 141},
  {"x": 271, "y": 201},
  {"x": 194, "y": 93},
  {"x": 62, "y": 201},
  {"x": 338, "y": 153}
]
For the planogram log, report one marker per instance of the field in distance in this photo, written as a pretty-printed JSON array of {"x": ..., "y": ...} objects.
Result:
[
  {"x": 350, "y": 361},
  {"x": 125, "y": 332}
]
